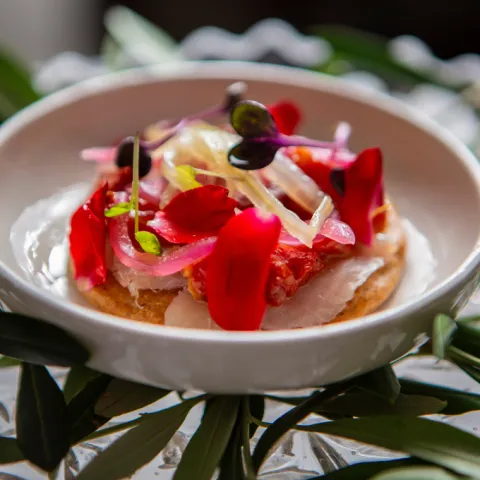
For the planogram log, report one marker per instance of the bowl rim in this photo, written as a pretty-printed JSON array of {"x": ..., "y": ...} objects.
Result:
[{"x": 260, "y": 72}]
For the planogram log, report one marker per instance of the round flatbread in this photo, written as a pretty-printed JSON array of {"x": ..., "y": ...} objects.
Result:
[{"x": 150, "y": 305}]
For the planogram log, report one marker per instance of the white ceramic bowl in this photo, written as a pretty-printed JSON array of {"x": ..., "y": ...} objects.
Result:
[{"x": 434, "y": 180}]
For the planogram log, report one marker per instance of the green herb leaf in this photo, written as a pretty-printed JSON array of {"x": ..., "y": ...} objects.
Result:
[
  {"x": 7, "y": 362},
  {"x": 382, "y": 382},
  {"x": 9, "y": 451},
  {"x": 206, "y": 447},
  {"x": 443, "y": 330},
  {"x": 416, "y": 473},
  {"x": 457, "y": 402},
  {"x": 139, "y": 445},
  {"x": 81, "y": 410},
  {"x": 186, "y": 177},
  {"x": 365, "y": 471},
  {"x": 363, "y": 404},
  {"x": 122, "y": 397},
  {"x": 281, "y": 426},
  {"x": 257, "y": 410},
  {"x": 40, "y": 343},
  {"x": 41, "y": 418},
  {"x": 119, "y": 209},
  {"x": 76, "y": 380},
  {"x": 149, "y": 243},
  {"x": 460, "y": 357},
  {"x": 435, "y": 442}
]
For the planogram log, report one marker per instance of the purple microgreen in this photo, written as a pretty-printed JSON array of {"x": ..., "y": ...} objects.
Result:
[
  {"x": 261, "y": 138},
  {"x": 149, "y": 242},
  {"x": 251, "y": 155},
  {"x": 253, "y": 120}
]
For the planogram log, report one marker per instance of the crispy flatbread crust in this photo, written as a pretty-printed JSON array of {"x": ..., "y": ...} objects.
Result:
[{"x": 149, "y": 306}]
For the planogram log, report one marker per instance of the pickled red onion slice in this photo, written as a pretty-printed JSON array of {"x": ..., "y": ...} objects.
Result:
[
  {"x": 333, "y": 229},
  {"x": 172, "y": 261}
]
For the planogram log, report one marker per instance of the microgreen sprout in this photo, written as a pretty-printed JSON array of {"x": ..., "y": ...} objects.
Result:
[
  {"x": 233, "y": 95},
  {"x": 147, "y": 240},
  {"x": 260, "y": 137}
]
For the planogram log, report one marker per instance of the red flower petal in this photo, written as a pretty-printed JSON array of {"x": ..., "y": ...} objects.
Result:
[
  {"x": 287, "y": 116},
  {"x": 238, "y": 269},
  {"x": 363, "y": 194},
  {"x": 195, "y": 214},
  {"x": 87, "y": 240}
]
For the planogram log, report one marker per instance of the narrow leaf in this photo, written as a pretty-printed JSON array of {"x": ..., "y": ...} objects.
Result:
[
  {"x": 382, "y": 382},
  {"x": 416, "y": 473},
  {"x": 149, "y": 242},
  {"x": 123, "y": 397},
  {"x": 139, "y": 445},
  {"x": 471, "y": 371},
  {"x": 443, "y": 330},
  {"x": 231, "y": 465},
  {"x": 250, "y": 473},
  {"x": 41, "y": 418},
  {"x": 363, "y": 404},
  {"x": 457, "y": 402},
  {"x": 9, "y": 451},
  {"x": 467, "y": 337},
  {"x": 37, "y": 342},
  {"x": 465, "y": 358},
  {"x": 206, "y": 447},
  {"x": 76, "y": 380},
  {"x": 281, "y": 426},
  {"x": 365, "y": 471},
  {"x": 81, "y": 409},
  {"x": 435, "y": 442},
  {"x": 257, "y": 410},
  {"x": 7, "y": 362}
]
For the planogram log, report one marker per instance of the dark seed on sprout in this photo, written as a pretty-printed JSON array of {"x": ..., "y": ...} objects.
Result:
[
  {"x": 337, "y": 179},
  {"x": 251, "y": 155},
  {"x": 253, "y": 120},
  {"x": 125, "y": 157}
]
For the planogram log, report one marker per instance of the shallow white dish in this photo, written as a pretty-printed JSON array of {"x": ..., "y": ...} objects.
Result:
[{"x": 433, "y": 179}]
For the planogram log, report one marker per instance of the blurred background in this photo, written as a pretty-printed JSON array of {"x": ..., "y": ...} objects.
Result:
[{"x": 423, "y": 52}]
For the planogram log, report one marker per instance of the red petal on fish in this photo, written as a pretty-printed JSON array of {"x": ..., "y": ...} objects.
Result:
[
  {"x": 363, "y": 194},
  {"x": 287, "y": 116},
  {"x": 195, "y": 214},
  {"x": 238, "y": 269},
  {"x": 87, "y": 240}
]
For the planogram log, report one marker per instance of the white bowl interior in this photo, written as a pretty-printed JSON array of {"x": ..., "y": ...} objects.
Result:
[{"x": 431, "y": 187}]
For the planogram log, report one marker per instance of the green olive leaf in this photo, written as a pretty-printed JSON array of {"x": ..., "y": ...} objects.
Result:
[
  {"x": 443, "y": 330},
  {"x": 41, "y": 418},
  {"x": 81, "y": 409},
  {"x": 9, "y": 451},
  {"x": 139, "y": 445},
  {"x": 382, "y": 382},
  {"x": 76, "y": 380},
  {"x": 365, "y": 471},
  {"x": 122, "y": 397},
  {"x": 431, "y": 441},
  {"x": 38, "y": 342},
  {"x": 205, "y": 449},
  {"x": 149, "y": 242},
  {"x": 458, "y": 402}
]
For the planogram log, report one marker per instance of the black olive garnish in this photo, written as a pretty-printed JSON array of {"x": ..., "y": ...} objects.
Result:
[
  {"x": 125, "y": 157},
  {"x": 337, "y": 179}
]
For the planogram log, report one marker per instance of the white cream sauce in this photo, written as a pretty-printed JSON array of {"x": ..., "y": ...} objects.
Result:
[{"x": 39, "y": 240}]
